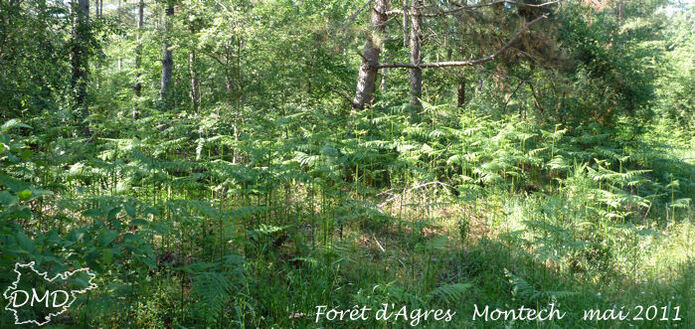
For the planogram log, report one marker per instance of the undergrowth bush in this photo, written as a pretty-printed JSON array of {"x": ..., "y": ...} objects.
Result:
[{"x": 202, "y": 223}]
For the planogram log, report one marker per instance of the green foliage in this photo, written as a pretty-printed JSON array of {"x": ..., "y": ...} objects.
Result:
[
  {"x": 567, "y": 177},
  {"x": 675, "y": 86}
]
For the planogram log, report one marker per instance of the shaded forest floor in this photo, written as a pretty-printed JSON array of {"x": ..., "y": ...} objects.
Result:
[
  {"x": 199, "y": 228},
  {"x": 411, "y": 263}
]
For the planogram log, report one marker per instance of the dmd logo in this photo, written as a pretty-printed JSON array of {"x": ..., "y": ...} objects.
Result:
[{"x": 35, "y": 298}]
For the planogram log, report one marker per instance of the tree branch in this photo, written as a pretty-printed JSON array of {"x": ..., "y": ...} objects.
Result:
[
  {"x": 499, "y": 2},
  {"x": 354, "y": 16},
  {"x": 535, "y": 98},
  {"x": 481, "y": 5},
  {"x": 362, "y": 55},
  {"x": 472, "y": 61}
]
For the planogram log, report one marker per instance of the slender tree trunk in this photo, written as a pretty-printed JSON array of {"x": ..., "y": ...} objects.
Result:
[
  {"x": 195, "y": 92},
  {"x": 138, "y": 58},
  {"x": 404, "y": 17},
  {"x": 228, "y": 85},
  {"x": 167, "y": 57},
  {"x": 80, "y": 9},
  {"x": 97, "y": 14},
  {"x": 384, "y": 72},
  {"x": 366, "y": 79},
  {"x": 138, "y": 48},
  {"x": 415, "y": 57},
  {"x": 461, "y": 90},
  {"x": 118, "y": 16},
  {"x": 195, "y": 84}
]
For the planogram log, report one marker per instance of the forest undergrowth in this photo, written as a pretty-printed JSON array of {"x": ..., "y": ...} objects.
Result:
[{"x": 194, "y": 223}]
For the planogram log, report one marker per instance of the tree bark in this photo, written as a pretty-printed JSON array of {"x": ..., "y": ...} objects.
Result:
[
  {"x": 97, "y": 14},
  {"x": 138, "y": 48},
  {"x": 366, "y": 79},
  {"x": 384, "y": 72},
  {"x": 405, "y": 23},
  {"x": 138, "y": 57},
  {"x": 415, "y": 57},
  {"x": 461, "y": 90},
  {"x": 79, "y": 60},
  {"x": 167, "y": 57},
  {"x": 195, "y": 93},
  {"x": 118, "y": 18}
]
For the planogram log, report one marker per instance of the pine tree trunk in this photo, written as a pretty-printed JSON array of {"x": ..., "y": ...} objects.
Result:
[
  {"x": 415, "y": 57},
  {"x": 80, "y": 10},
  {"x": 97, "y": 65},
  {"x": 138, "y": 57},
  {"x": 167, "y": 58},
  {"x": 195, "y": 93},
  {"x": 118, "y": 18},
  {"x": 366, "y": 79},
  {"x": 404, "y": 18},
  {"x": 461, "y": 90},
  {"x": 384, "y": 72}
]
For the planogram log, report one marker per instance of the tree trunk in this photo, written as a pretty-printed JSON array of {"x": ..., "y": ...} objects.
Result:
[
  {"x": 384, "y": 72},
  {"x": 404, "y": 17},
  {"x": 118, "y": 18},
  {"x": 192, "y": 72},
  {"x": 167, "y": 57},
  {"x": 138, "y": 48},
  {"x": 80, "y": 9},
  {"x": 366, "y": 79},
  {"x": 138, "y": 57},
  {"x": 195, "y": 93},
  {"x": 461, "y": 90},
  {"x": 415, "y": 57},
  {"x": 97, "y": 15}
]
